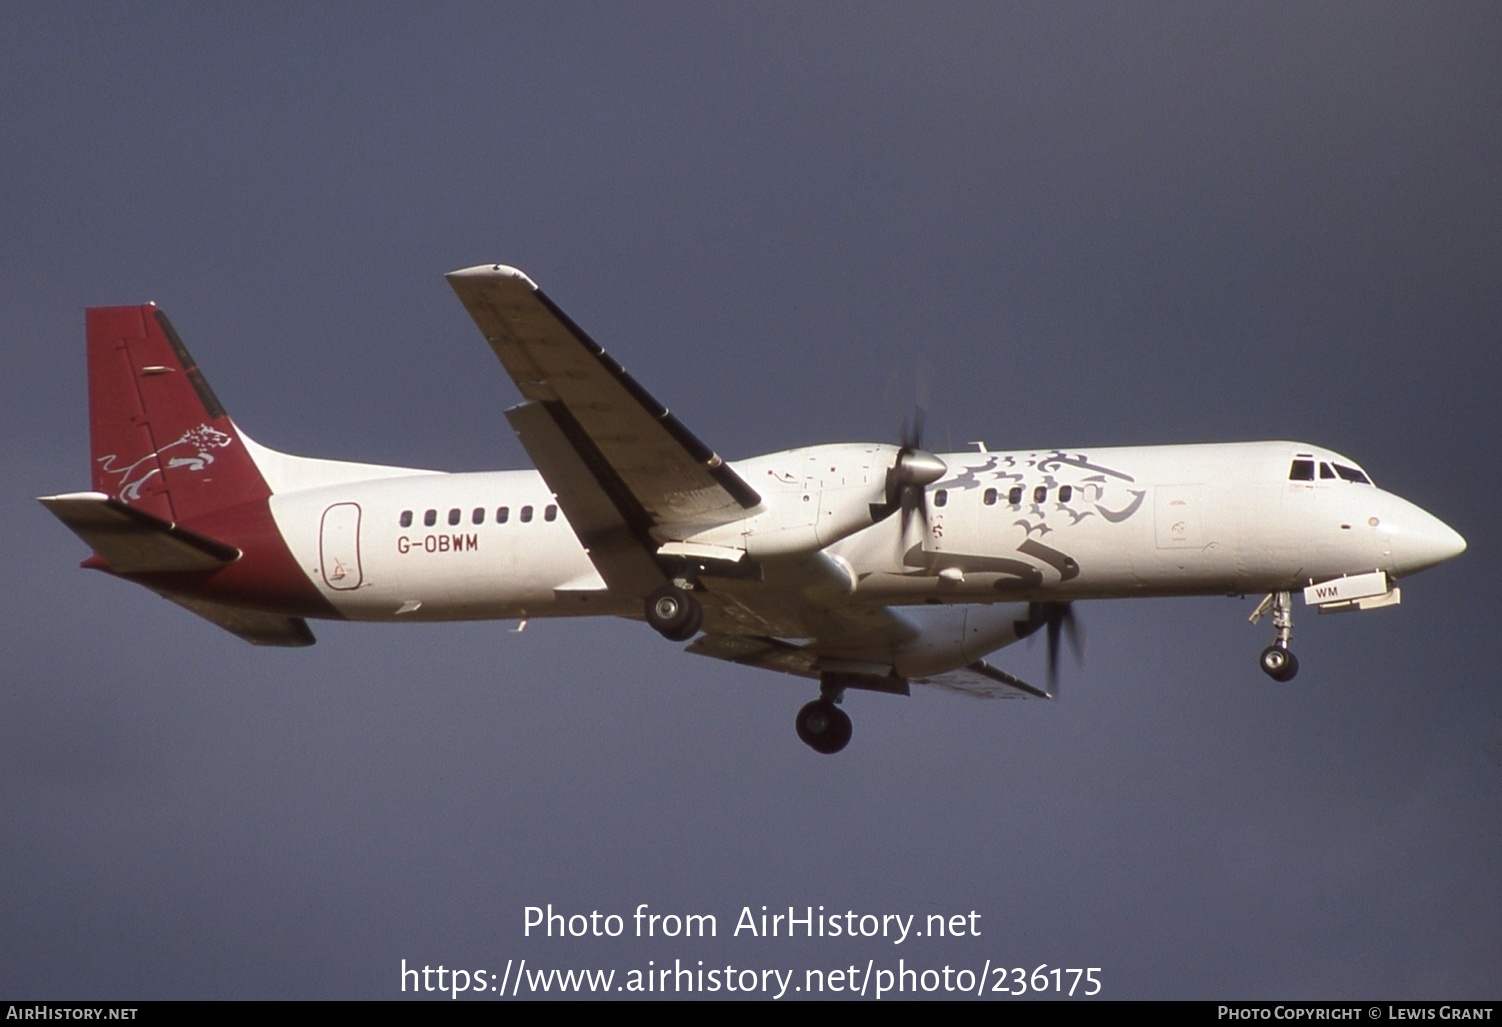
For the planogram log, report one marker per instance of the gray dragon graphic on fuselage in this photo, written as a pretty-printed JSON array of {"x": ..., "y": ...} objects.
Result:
[{"x": 1041, "y": 486}]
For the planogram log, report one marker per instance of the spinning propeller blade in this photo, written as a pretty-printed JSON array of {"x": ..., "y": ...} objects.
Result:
[
  {"x": 1060, "y": 622},
  {"x": 915, "y": 468}
]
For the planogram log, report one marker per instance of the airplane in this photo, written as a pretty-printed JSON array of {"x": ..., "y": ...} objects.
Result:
[{"x": 860, "y": 566}]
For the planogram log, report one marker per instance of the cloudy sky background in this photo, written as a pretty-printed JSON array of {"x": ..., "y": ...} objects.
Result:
[{"x": 1099, "y": 225}]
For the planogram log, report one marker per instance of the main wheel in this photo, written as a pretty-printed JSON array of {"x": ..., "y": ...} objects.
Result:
[
  {"x": 673, "y": 613},
  {"x": 823, "y": 727},
  {"x": 1279, "y": 664}
]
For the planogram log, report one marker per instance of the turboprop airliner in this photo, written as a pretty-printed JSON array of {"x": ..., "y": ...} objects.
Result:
[{"x": 859, "y": 566}]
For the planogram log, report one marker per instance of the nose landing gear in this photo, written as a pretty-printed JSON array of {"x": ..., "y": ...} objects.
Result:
[
  {"x": 1279, "y": 664},
  {"x": 1278, "y": 661}
]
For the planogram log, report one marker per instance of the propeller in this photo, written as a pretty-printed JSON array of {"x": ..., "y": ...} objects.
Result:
[
  {"x": 1059, "y": 620},
  {"x": 907, "y": 483},
  {"x": 915, "y": 468}
]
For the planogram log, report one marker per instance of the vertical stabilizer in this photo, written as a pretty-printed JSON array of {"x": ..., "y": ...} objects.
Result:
[{"x": 160, "y": 440}]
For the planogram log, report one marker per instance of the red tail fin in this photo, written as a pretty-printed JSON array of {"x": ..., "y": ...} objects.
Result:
[{"x": 161, "y": 441}]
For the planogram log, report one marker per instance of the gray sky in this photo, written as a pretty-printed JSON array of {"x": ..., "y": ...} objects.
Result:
[{"x": 1099, "y": 224}]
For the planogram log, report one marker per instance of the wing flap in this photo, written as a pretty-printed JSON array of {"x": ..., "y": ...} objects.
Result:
[
  {"x": 611, "y": 526},
  {"x": 984, "y": 681},
  {"x": 756, "y": 651},
  {"x": 806, "y": 595}
]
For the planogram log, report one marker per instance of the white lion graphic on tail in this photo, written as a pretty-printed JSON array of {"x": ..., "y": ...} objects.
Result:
[{"x": 201, "y": 439}]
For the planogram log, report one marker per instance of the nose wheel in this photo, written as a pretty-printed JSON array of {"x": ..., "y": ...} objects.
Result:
[
  {"x": 1279, "y": 664},
  {"x": 674, "y": 614},
  {"x": 1277, "y": 660}
]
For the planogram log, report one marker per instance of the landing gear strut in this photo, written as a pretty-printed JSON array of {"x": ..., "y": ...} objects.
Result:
[
  {"x": 674, "y": 614},
  {"x": 1278, "y": 661}
]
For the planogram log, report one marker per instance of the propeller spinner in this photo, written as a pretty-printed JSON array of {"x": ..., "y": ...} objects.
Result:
[
  {"x": 908, "y": 480},
  {"x": 915, "y": 468}
]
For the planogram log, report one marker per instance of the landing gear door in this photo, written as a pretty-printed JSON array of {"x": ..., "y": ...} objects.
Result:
[{"x": 339, "y": 546}]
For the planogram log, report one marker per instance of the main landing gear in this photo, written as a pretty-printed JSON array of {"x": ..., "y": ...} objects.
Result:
[
  {"x": 823, "y": 726},
  {"x": 674, "y": 613},
  {"x": 1278, "y": 661}
]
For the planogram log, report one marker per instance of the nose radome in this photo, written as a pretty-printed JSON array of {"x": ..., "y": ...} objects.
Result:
[
  {"x": 1424, "y": 541},
  {"x": 1449, "y": 543}
]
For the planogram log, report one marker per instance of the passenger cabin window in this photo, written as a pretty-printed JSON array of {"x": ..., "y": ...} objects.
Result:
[
  {"x": 1040, "y": 494},
  {"x": 1302, "y": 470},
  {"x": 454, "y": 515},
  {"x": 550, "y": 513},
  {"x": 478, "y": 517},
  {"x": 502, "y": 514},
  {"x": 1015, "y": 496},
  {"x": 526, "y": 515},
  {"x": 989, "y": 498},
  {"x": 1065, "y": 492},
  {"x": 430, "y": 518},
  {"x": 406, "y": 518},
  {"x": 941, "y": 497}
]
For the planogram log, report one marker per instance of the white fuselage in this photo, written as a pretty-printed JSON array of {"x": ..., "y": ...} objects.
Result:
[{"x": 1095, "y": 523}]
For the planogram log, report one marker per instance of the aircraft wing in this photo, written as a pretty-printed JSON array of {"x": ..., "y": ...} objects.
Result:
[
  {"x": 618, "y": 460},
  {"x": 622, "y": 465}
]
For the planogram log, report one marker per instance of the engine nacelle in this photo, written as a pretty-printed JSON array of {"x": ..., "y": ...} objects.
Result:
[
  {"x": 947, "y": 638},
  {"x": 810, "y": 498}
]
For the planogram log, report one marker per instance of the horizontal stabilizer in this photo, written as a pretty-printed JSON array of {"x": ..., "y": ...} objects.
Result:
[
  {"x": 132, "y": 541},
  {"x": 255, "y": 627}
]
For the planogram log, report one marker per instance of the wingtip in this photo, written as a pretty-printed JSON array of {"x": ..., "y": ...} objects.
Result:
[{"x": 490, "y": 271}]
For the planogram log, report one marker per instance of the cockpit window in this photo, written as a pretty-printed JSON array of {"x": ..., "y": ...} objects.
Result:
[
  {"x": 1325, "y": 472},
  {"x": 1302, "y": 470},
  {"x": 1352, "y": 474}
]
